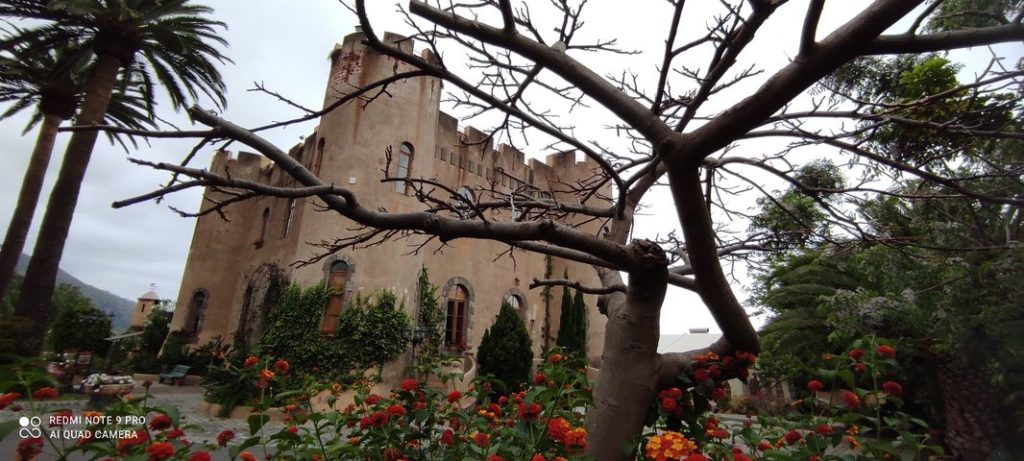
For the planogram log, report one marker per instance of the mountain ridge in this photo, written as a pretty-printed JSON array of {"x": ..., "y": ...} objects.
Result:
[{"x": 119, "y": 307}]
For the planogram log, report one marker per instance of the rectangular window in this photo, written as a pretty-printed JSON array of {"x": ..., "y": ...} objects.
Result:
[
  {"x": 289, "y": 215},
  {"x": 402, "y": 171},
  {"x": 444, "y": 155},
  {"x": 472, "y": 166}
]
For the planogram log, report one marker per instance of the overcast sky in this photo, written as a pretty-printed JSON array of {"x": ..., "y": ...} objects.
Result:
[{"x": 284, "y": 44}]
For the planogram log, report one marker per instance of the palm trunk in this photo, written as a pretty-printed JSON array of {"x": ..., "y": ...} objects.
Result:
[
  {"x": 31, "y": 186},
  {"x": 41, "y": 275},
  {"x": 625, "y": 388},
  {"x": 974, "y": 429}
]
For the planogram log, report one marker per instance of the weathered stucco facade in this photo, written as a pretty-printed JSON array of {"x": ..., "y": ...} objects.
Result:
[{"x": 232, "y": 263}]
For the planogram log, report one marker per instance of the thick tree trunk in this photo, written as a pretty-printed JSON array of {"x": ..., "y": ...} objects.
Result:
[
  {"x": 625, "y": 388},
  {"x": 974, "y": 429},
  {"x": 41, "y": 275},
  {"x": 31, "y": 187}
]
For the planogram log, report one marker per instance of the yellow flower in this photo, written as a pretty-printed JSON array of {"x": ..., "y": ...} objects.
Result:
[{"x": 668, "y": 446}]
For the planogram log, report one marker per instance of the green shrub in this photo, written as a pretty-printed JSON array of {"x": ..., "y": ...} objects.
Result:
[
  {"x": 572, "y": 329},
  {"x": 430, "y": 317},
  {"x": 506, "y": 350}
]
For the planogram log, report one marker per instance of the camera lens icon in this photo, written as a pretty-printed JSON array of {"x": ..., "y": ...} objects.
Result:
[{"x": 30, "y": 427}]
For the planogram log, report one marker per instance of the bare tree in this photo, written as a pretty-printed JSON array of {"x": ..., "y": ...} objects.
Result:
[{"x": 677, "y": 139}]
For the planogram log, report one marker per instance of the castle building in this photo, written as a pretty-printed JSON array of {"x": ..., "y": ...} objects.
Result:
[{"x": 233, "y": 263}]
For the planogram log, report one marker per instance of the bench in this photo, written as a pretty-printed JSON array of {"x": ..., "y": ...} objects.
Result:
[{"x": 175, "y": 375}]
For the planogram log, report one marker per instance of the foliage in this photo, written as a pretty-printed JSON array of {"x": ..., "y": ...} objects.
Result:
[
  {"x": 293, "y": 333},
  {"x": 79, "y": 324},
  {"x": 158, "y": 325},
  {"x": 506, "y": 352},
  {"x": 572, "y": 327},
  {"x": 856, "y": 407},
  {"x": 374, "y": 330},
  {"x": 430, "y": 317}
]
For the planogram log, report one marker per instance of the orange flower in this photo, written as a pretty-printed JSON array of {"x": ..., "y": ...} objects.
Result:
[
  {"x": 160, "y": 450},
  {"x": 266, "y": 375},
  {"x": 576, "y": 440},
  {"x": 886, "y": 351},
  {"x": 250, "y": 361},
  {"x": 668, "y": 446},
  {"x": 555, "y": 358},
  {"x": 481, "y": 439},
  {"x": 557, "y": 428},
  {"x": 246, "y": 456}
]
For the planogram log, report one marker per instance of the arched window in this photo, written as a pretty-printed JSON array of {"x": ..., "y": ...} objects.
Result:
[
  {"x": 263, "y": 229},
  {"x": 403, "y": 165},
  {"x": 288, "y": 216},
  {"x": 196, "y": 309},
  {"x": 337, "y": 278},
  {"x": 515, "y": 301},
  {"x": 455, "y": 320},
  {"x": 467, "y": 194}
]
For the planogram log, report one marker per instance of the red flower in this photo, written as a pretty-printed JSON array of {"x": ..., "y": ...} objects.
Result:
[
  {"x": 8, "y": 398},
  {"x": 719, "y": 433},
  {"x": 481, "y": 439},
  {"x": 448, "y": 438},
  {"x": 671, "y": 406},
  {"x": 700, "y": 375},
  {"x": 160, "y": 450},
  {"x": 252, "y": 360},
  {"x": 495, "y": 458},
  {"x": 372, "y": 399},
  {"x": 454, "y": 396},
  {"x": 815, "y": 386},
  {"x": 46, "y": 393},
  {"x": 224, "y": 437},
  {"x": 292, "y": 429},
  {"x": 160, "y": 422},
  {"x": 410, "y": 384},
  {"x": 715, "y": 371},
  {"x": 199, "y": 456},
  {"x": 860, "y": 368},
  {"x": 850, "y": 399},
  {"x": 174, "y": 433},
  {"x": 576, "y": 440},
  {"x": 246, "y": 456},
  {"x": 823, "y": 429},
  {"x": 793, "y": 436},
  {"x": 529, "y": 412},
  {"x": 892, "y": 388},
  {"x": 281, "y": 366},
  {"x": 555, "y": 358},
  {"x": 695, "y": 457},
  {"x": 764, "y": 445},
  {"x": 739, "y": 456},
  {"x": 396, "y": 410},
  {"x": 886, "y": 351},
  {"x": 856, "y": 354},
  {"x": 540, "y": 379},
  {"x": 126, "y": 444},
  {"x": 502, "y": 400},
  {"x": 717, "y": 394},
  {"x": 538, "y": 457},
  {"x": 28, "y": 449}
]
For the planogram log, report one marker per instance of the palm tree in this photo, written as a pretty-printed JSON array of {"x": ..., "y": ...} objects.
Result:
[
  {"x": 50, "y": 82},
  {"x": 171, "y": 39}
]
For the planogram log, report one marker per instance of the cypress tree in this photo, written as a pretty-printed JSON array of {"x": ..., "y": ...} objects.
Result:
[
  {"x": 506, "y": 350},
  {"x": 579, "y": 313},
  {"x": 565, "y": 320}
]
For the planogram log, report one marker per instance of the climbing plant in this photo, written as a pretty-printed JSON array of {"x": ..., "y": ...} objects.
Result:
[{"x": 430, "y": 318}]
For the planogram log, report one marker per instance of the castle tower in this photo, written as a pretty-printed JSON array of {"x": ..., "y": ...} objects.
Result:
[{"x": 143, "y": 306}]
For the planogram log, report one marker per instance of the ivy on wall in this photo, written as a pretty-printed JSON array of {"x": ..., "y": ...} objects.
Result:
[{"x": 430, "y": 317}]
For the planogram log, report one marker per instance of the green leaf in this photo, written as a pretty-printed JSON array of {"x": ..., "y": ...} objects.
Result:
[
  {"x": 256, "y": 423},
  {"x": 250, "y": 442},
  {"x": 7, "y": 427}
]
